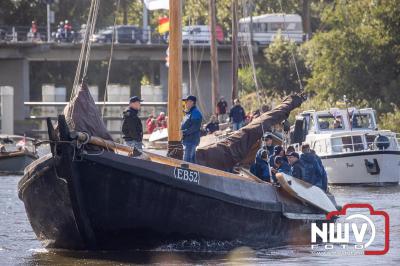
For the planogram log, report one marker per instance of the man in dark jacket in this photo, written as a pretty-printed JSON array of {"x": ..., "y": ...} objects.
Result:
[
  {"x": 324, "y": 178},
  {"x": 222, "y": 105},
  {"x": 237, "y": 115},
  {"x": 190, "y": 128},
  {"x": 297, "y": 166},
  {"x": 260, "y": 167},
  {"x": 313, "y": 172},
  {"x": 132, "y": 128}
]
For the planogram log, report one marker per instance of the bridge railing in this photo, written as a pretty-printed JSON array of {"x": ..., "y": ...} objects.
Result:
[{"x": 39, "y": 111}]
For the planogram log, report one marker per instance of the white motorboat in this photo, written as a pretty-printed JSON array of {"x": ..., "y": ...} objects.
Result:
[{"x": 352, "y": 148}]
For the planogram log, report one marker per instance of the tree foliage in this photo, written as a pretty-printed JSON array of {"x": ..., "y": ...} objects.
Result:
[{"x": 359, "y": 55}]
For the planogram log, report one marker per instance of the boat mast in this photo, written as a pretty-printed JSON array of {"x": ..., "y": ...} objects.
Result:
[
  {"x": 235, "y": 50},
  {"x": 214, "y": 56},
  {"x": 175, "y": 149}
]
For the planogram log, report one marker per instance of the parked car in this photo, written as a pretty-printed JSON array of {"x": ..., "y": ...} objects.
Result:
[
  {"x": 200, "y": 34},
  {"x": 123, "y": 34},
  {"x": 266, "y": 28}
]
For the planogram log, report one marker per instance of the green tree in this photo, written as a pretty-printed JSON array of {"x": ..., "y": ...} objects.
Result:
[{"x": 359, "y": 54}]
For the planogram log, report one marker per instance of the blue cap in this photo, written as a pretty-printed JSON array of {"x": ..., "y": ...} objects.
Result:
[
  {"x": 294, "y": 154},
  {"x": 190, "y": 98},
  {"x": 135, "y": 99}
]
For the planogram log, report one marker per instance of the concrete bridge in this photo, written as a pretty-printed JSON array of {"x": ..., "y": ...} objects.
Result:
[{"x": 16, "y": 57}]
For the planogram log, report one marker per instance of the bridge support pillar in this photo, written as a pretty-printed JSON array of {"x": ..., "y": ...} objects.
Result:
[
  {"x": 15, "y": 73},
  {"x": 7, "y": 110}
]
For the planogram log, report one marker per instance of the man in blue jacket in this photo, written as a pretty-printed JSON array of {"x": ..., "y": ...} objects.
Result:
[
  {"x": 190, "y": 128},
  {"x": 313, "y": 171},
  {"x": 260, "y": 167}
]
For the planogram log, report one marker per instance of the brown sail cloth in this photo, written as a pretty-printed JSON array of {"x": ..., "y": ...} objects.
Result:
[
  {"x": 226, "y": 154},
  {"x": 82, "y": 115}
]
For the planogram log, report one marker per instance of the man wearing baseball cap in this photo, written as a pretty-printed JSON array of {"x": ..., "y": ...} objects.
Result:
[
  {"x": 190, "y": 128},
  {"x": 132, "y": 128}
]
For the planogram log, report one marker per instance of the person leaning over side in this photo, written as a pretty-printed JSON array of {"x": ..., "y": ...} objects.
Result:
[
  {"x": 190, "y": 127},
  {"x": 237, "y": 115},
  {"x": 132, "y": 128},
  {"x": 313, "y": 171}
]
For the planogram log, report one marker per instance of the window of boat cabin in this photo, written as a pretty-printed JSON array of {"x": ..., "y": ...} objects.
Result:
[
  {"x": 330, "y": 122},
  {"x": 362, "y": 121},
  {"x": 289, "y": 26},
  {"x": 347, "y": 143}
]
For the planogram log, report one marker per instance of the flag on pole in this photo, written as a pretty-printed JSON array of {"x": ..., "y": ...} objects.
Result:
[
  {"x": 156, "y": 4},
  {"x": 163, "y": 25}
]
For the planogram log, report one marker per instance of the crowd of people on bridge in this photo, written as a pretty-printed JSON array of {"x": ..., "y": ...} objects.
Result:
[{"x": 306, "y": 166}]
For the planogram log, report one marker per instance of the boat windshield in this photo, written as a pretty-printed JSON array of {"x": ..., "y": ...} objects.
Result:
[
  {"x": 330, "y": 122},
  {"x": 362, "y": 121}
]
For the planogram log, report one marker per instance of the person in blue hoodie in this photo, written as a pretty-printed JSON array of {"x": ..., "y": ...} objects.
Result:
[
  {"x": 313, "y": 172},
  {"x": 260, "y": 167},
  {"x": 237, "y": 115},
  {"x": 190, "y": 127},
  {"x": 267, "y": 143}
]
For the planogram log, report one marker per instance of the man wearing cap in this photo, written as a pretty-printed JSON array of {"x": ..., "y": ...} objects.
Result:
[
  {"x": 190, "y": 128},
  {"x": 297, "y": 166},
  {"x": 132, "y": 128}
]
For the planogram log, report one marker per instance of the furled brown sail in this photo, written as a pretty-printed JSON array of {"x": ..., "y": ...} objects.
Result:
[
  {"x": 226, "y": 154},
  {"x": 82, "y": 115}
]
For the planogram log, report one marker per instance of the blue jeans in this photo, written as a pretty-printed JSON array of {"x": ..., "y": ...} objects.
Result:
[
  {"x": 189, "y": 152},
  {"x": 237, "y": 126},
  {"x": 134, "y": 144}
]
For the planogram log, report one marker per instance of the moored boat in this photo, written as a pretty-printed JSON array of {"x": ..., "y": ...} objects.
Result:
[
  {"x": 352, "y": 148},
  {"x": 16, "y": 152}
]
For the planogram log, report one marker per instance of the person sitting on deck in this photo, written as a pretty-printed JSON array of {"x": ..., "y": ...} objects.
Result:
[
  {"x": 278, "y": 151},
  {"x": 151, "y": 124},
  {"x": 267, "y": 144},
  {"x": 161, "y": 120},
  {"x": 281, "y": 166},
  {"x": 213, "y": 125},
  {"x": 297, "y": 168},
  {"x": 260, "y": 167}
]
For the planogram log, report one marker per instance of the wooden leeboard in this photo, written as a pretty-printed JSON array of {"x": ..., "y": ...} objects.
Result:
[
  {"x": 158, "y": 135},
  {"x": 306, "y": 192}
]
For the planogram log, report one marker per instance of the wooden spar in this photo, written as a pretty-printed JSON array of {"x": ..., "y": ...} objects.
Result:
[
  {"x": 235, "y": 50},
  {"x": 214, "y": 56},
  {"x": 116, "y": 147},
  {"x": 175, "y": 149}
]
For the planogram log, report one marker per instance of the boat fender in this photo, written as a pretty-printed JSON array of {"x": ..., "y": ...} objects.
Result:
[{"x": 372, "y": 167}]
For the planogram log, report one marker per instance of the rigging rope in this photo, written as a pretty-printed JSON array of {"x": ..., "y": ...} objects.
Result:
[
  {"x": 110, "y": 59},
  {"x": 291, "y": 50}
]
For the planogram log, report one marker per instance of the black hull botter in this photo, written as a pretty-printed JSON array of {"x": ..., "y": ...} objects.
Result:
[{"x": 83, "y": 199}]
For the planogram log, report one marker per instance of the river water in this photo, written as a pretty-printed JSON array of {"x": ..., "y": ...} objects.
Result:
[{"x": 19, "y": 246}]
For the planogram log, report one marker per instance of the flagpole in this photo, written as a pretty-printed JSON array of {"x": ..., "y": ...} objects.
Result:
[{"x": 175, "y": 114}]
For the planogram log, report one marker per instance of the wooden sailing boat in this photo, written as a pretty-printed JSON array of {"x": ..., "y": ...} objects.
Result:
[{"x": 92, "y": 193}]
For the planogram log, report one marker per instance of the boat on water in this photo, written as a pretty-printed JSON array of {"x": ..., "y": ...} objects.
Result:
[
  {"x": 16, "y": 152},
  {"x": 352, "y": 148},
  {"x": 92, "y": 193}
]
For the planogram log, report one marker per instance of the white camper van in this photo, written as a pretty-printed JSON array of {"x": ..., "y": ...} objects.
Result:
[{"x": 266, "y": 28}]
